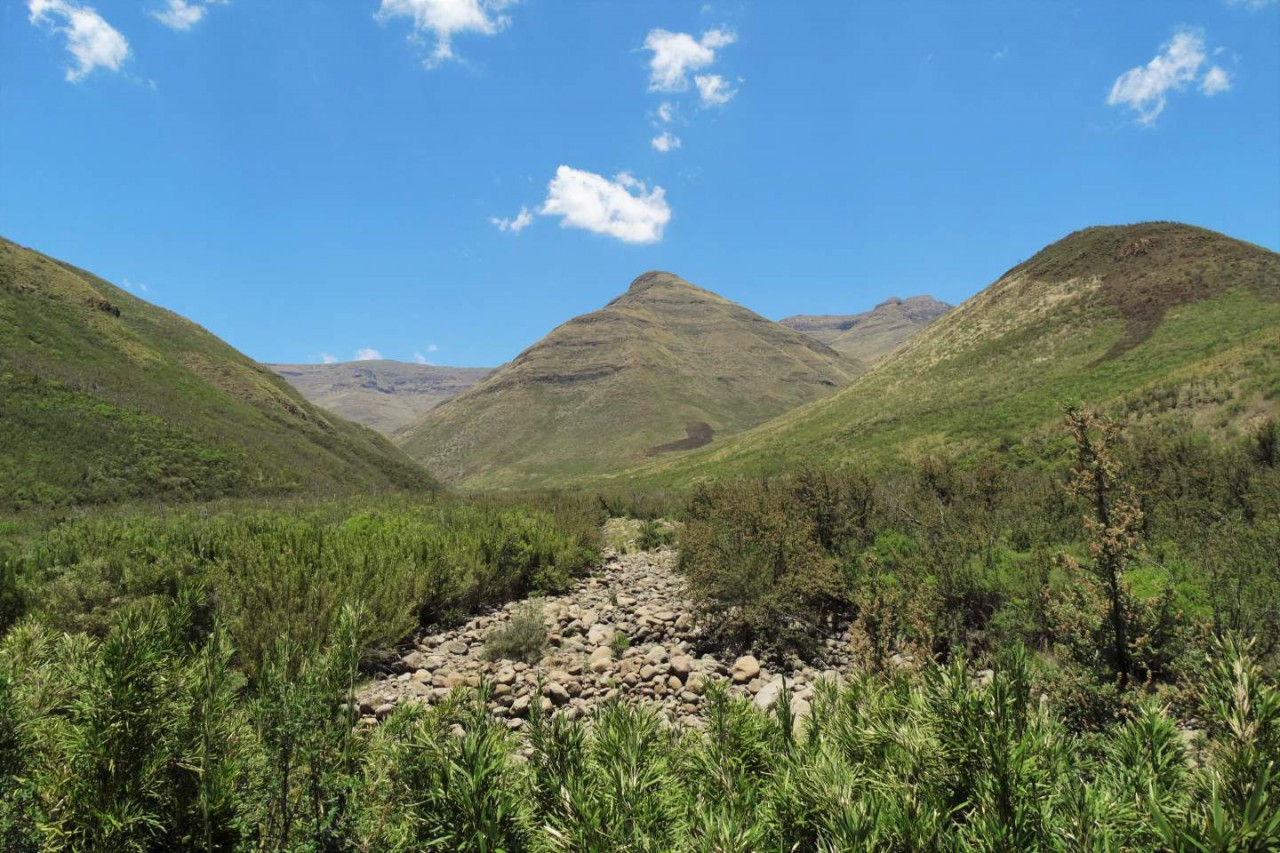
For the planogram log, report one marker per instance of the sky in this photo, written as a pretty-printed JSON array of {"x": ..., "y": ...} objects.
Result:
[{"x": 448, "y": 180}]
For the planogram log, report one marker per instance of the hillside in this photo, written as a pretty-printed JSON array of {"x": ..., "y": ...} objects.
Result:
[
  {"x": 873, "y": 334},
  {"x": 1147, "y": 320},
  {"x": 385, "y": 395},
  {"x": 105, "y": 397},
  {"x": 664, "y": 367}
]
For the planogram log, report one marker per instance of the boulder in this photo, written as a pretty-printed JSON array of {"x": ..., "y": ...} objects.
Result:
[{"x": 744, "y": 669}]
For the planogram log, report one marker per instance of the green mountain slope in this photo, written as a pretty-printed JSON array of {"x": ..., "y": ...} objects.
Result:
[
  {"x": 1146, "y": 319},
  {"x": 663, "y": 367},
  {"x": 105, "y": 397},
  {"x": 873, "y": 334},
  {"x": 382, "y": 394}
]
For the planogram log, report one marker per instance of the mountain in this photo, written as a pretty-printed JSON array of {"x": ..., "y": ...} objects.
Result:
[
  {"x": 381, "y": 394},
  {"x": 105, "y": 397},
  {"x": 1148, "y": 321},
  {"x": 873, "y": 334},
  {"x": 664, "y": 367}
]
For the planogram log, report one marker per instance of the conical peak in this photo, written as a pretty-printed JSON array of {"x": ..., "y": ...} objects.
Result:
[{"x": 654, "y": 278}]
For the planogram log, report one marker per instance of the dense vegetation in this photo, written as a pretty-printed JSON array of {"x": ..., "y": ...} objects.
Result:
[
  {"x": 105, "y": 398},
  {"x": 185, "y": 680},
  {"x": 144, "y": 740},
  {"x": 268, "y": 576},
  {"x": 1117, "y": 562}
]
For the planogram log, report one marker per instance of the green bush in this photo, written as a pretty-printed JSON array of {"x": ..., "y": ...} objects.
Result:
[{"x": 523, "y": 638}]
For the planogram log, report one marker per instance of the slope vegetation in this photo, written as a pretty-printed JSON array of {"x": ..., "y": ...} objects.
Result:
[
  {"x": 105, "y": 397},
  {"x": 382, "y": 394},
  {"x": 873, "y": 334},
  {"x": 664, "y": 367},
  {"x": 1149, "y": 320}
]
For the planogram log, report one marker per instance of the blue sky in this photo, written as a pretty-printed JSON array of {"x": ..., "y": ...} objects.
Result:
[{"x": 308, "y": 178}]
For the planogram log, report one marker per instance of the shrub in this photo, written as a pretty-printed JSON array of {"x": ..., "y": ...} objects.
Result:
[
  {"x": 523, "y": 638},
  {"x": 653, "y": 535}
]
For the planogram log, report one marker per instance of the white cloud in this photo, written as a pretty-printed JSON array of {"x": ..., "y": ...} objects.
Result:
[
  {"x": 419, "y": 358},
  {"x": 1215, "y": 81},
  {"x": 665, "y": 141},
  {"x": 1251, "y": 4},
  {"x": 666, "y": 111},
  {"x": 433, "y": 347},
  {"x": 368, "y": 354},
  {"x": 1001, "y": 54},
  {"x": 328, "y": 359},
  {"x": 183, "y": 14},
  {"x": 1145, "y": 89},
  {"x": 444, "y": 19},
  {"x": 135, "y": 285},
  {"x": 675, "y": 55},
  {"x": 522, "y": 220},
  {"x": 91, "y": 41},
  {"x": 623, "y": 208},
  {"x": 714, "y": 90}
]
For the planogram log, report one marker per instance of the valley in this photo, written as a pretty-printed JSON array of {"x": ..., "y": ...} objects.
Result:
[{"x": 672, "y": 543}]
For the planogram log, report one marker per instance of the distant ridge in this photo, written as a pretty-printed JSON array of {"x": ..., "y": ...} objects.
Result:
[
  {"x": 663, "y": 367},
  {"x": 1151, "y": 321},
  {"x": 873, "y": 334},
  {"x": 105, "y": 397},
  {"x": 382, "y": 394}
]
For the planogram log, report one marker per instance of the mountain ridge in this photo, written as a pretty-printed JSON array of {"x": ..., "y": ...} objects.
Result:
[
  {"x": 1153, "y": 320},
  {"x": 605, "y": 387},
  {"x": 106, "y": 397},
  {"x": 382, "y": 394},
  {"x": 871, "y": 335}
]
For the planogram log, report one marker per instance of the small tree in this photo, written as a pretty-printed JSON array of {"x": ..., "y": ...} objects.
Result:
[{"x": 1112, "y": 523}]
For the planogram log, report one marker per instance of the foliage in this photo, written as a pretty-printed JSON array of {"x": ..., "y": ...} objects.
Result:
[
  {"x": 146, "y": 740},
  {"x": 270, "y": 574},
  {"x": 523, "y": 638},
  {"x": 951, "y": 555}
]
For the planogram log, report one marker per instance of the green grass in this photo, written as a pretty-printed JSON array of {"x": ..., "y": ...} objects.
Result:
[{"x": 96, "y": 407}]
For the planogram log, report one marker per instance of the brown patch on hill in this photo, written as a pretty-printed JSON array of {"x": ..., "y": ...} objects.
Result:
[
  {"x": 104, "y": 306},
  {"x": 1147, "y": 269},
  {"x": 699, "y": 434}
]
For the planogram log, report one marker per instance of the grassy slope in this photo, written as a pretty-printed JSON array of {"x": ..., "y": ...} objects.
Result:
[
  {"x": 385, "y": 395},
  {"x": 96, "y": 407},
  {"x": 600, "y": 390},
  {"x": 1147, "y": 319}
]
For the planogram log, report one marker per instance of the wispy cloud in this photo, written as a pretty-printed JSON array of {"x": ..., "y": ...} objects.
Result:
[
  {"x": 91, "y": 41},
  {"x": 665, "y": 141},
  {"x": 368, "y": 354},
  {"x": 1251, "y": 4},
  {"x": 516, "y": 224},
  {"x": 325, "y": 358},
  {"x": 623, "y": 208},
  {"x": 1145, "y": 90},
  {"x": 714, "y": 90},
  {"x": 441, "y": 20},
  {"x": 184, "y": 14}
]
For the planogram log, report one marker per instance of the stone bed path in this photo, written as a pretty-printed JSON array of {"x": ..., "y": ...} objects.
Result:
[{"x": 638, "y": 595}]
